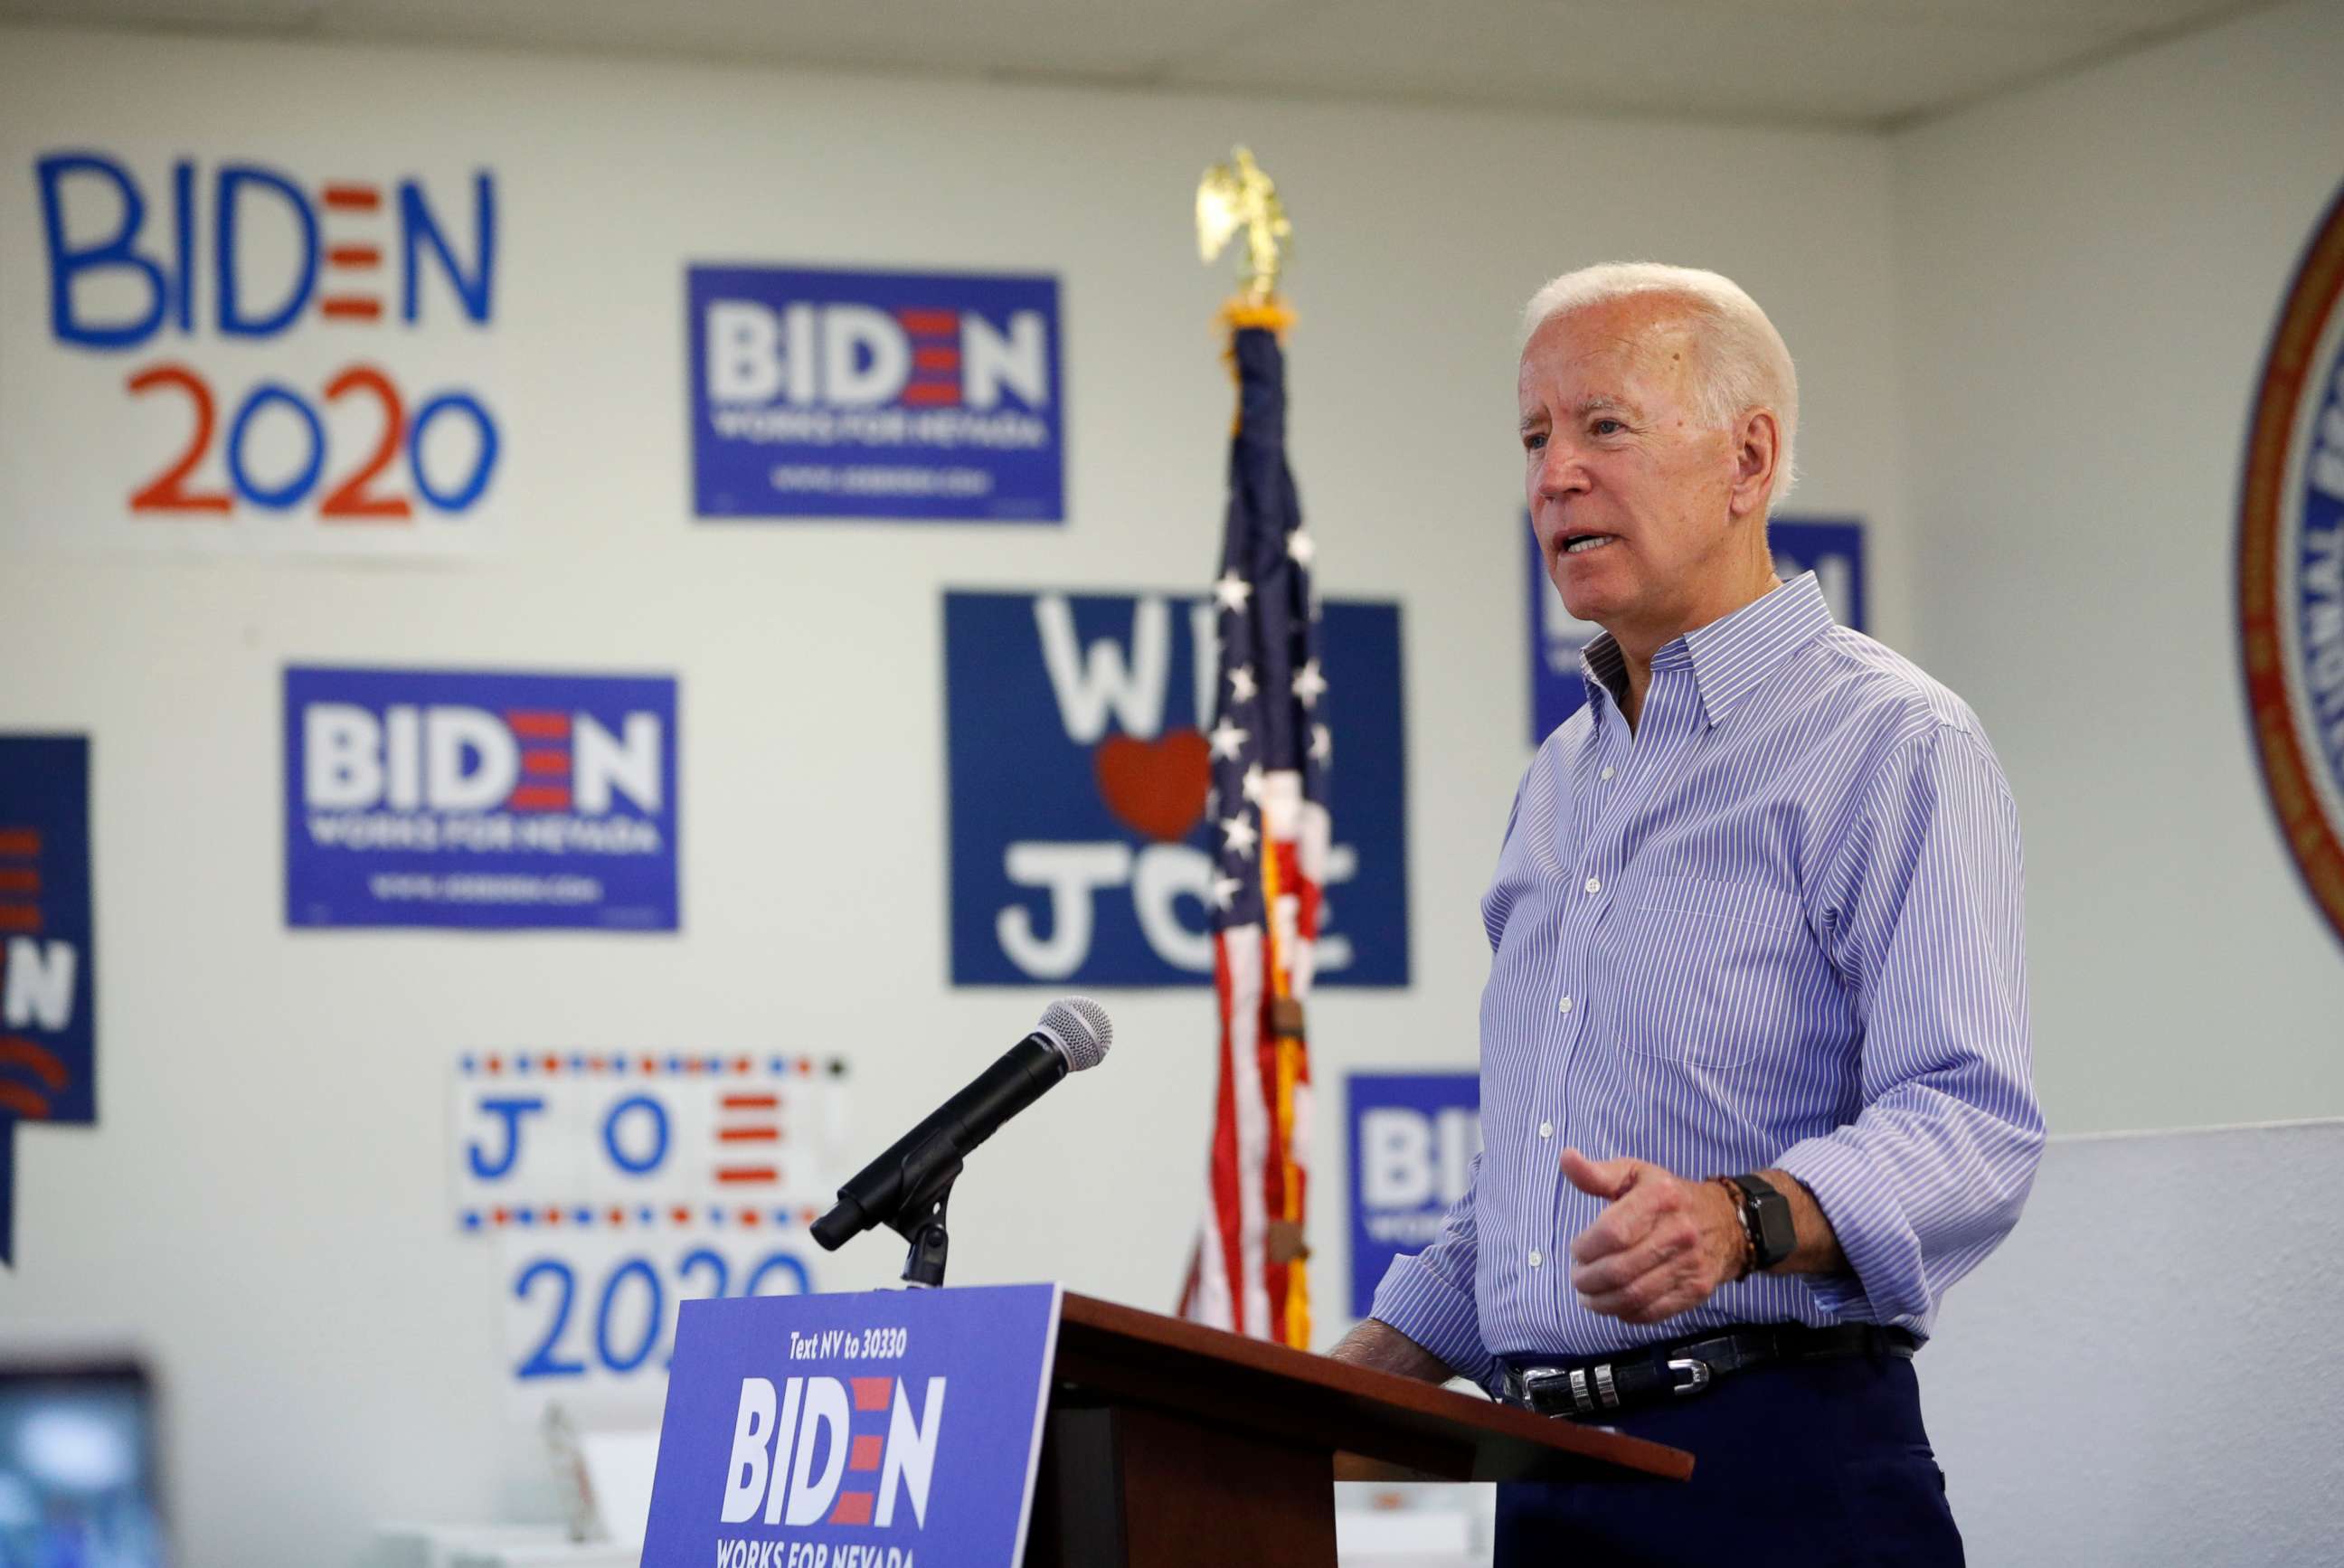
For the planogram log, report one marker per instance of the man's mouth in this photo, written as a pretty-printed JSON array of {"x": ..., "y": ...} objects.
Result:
[{"x": 1581, "y": 543}]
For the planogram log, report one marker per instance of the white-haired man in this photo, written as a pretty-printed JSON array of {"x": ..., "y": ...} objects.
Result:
[{"x": 1755, "y": 1078}]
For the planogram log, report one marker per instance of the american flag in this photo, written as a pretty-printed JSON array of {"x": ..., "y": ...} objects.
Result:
[{"x": 1269, "y": 755}]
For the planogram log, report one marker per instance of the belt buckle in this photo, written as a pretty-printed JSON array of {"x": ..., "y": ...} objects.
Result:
[
  {"x": 1697, "y": 1376},
  {"x": 1536, "y": 1381},
  {"x": 1584, "y": 1394}
]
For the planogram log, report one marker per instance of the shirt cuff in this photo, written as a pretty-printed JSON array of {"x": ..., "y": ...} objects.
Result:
[
  {"x": 1888, "y": 1285},
  {"x": 1438, "y": 1315}
]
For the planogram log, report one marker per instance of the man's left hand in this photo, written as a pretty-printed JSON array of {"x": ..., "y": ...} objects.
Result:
[{"x": 1663, "y": 1246}]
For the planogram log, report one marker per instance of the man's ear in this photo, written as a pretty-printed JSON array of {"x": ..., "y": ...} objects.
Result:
[{"x": 1757, "y": 448}]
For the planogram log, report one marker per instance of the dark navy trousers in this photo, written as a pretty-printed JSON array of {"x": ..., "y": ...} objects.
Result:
[{"x": 1820, "y": 1465}]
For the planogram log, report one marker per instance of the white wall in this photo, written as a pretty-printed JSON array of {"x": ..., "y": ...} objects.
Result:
[
  {"x": 2146, "y": 1372},
  {"x": 2087, "y": 276},
  {"x": 264, "y": 1201}
]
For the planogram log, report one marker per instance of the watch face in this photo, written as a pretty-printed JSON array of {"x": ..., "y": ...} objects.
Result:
[{"x": 1776, "y": 1238}]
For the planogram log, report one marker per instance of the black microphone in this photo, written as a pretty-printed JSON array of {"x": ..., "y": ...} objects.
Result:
[{"x": 901, "y": 1184}]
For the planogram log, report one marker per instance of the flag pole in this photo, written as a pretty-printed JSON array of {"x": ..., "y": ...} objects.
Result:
[{"x": 1268, "y": 751}]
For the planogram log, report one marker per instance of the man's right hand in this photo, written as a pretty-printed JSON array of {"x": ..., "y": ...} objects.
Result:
[{"x": 1379, "y": 1347}]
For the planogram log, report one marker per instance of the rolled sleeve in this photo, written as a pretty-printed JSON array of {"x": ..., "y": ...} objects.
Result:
[
  {"x": 1429, "y": 1297},
  {"x": 1927, "y": 912}
]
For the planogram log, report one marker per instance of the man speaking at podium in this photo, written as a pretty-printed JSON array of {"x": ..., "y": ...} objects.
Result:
[{"x": 1755, "y": 1081}]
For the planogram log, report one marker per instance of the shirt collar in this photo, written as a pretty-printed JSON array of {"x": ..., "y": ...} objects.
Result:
[{"x": 1731, "y": 656}]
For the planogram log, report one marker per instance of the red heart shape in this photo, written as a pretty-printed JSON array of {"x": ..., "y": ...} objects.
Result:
[{"x": 1155, "y": 787}]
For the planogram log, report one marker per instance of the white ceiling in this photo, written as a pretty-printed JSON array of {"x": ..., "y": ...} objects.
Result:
[{"x": 1846, "y": 63}]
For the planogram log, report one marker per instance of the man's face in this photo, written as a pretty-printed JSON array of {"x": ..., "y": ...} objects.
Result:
[{"x": 1629, "y": 493}]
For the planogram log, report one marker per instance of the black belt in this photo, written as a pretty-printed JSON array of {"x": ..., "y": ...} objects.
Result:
[{"x": 1649, "y": 1374}]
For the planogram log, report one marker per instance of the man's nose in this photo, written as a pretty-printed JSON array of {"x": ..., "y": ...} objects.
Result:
[{"x": 1560, "y": 472}]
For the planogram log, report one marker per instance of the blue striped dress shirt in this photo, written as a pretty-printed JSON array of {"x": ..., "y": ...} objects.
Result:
[{"x": 1777, "y": 925}]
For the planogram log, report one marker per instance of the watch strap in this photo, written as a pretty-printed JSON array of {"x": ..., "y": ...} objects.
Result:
[{"x": 1741, "y": 1217}]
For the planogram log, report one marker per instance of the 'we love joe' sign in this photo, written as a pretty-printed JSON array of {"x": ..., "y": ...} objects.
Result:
[{"x": 1078, "y": 776}]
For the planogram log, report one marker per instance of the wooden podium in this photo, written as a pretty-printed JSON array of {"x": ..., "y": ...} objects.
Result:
[{"x": 1167, "y": 1445}]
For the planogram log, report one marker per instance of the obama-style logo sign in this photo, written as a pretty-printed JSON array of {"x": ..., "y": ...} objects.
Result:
[{"x": 2291, "y": 569}]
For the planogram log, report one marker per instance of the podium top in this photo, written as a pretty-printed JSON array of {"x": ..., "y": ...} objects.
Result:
[{"x": 1318, "y": 1403}]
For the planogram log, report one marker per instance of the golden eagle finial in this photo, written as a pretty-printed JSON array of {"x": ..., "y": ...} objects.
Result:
[{"x": 1237, "y": 195}]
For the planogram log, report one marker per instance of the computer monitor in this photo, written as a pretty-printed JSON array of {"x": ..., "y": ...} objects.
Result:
[{"x": 78, "y": 1482}]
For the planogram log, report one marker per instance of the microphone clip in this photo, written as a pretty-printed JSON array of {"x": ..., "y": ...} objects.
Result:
[
  {"x": 923, "y": 1266},
  {"x": 928, "y": 1178}
]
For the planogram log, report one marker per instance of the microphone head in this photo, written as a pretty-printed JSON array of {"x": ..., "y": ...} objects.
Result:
[{"x": 1079, "y": 1026}]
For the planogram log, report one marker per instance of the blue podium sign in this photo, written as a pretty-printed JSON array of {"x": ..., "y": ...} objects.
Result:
[{"x": 853, "y": 1431}]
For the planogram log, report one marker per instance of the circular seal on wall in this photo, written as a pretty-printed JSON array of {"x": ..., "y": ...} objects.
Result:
[{"x": 2291, "y": 568}]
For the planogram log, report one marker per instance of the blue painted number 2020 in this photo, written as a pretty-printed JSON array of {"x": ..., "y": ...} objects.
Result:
[{"x": 616, "y": 1351}]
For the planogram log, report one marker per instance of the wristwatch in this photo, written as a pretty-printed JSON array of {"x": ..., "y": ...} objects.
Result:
[{"x": 1765, "y": 1221}]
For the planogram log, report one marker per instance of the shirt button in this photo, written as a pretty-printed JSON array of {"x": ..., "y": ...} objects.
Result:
[
  {"x": 1605, "y": 775},
  {"x": 1594, "y": 884},
  {"x": 1546, "y": 1129},
  {"x": 1566, "y": 1004},
  {"x": 1537, "y": 1258}
]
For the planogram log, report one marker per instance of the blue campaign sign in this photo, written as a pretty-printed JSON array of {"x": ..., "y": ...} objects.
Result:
[
  {"x": 446, "y": 798},
  {"x": 1413, "y": 1138},
  {"x": 919, "y": 396},
  {"x": 1833, "y": 550},
  {"x": 854, "y": 1430},
  {"x": 1078, "y": 775},
  {"x": 1556, "y": 635},
  {"x": 48, "y": 968}
]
